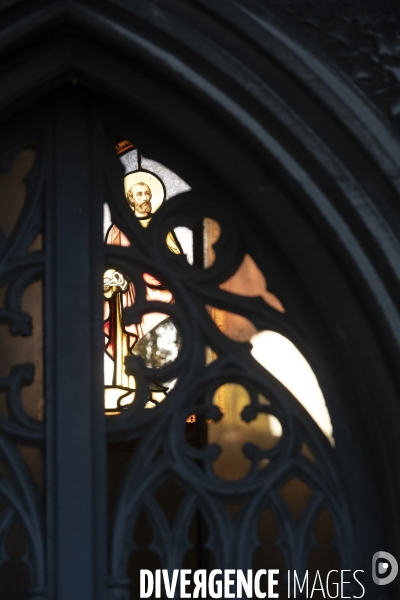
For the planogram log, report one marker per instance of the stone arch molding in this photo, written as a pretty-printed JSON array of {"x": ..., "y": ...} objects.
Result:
[{"x": 253, "y": 103}]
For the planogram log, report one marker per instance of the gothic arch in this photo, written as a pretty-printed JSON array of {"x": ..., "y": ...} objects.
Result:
[{"x": 281, "y": 134}]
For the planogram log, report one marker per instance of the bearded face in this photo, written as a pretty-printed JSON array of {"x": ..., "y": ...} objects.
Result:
[{"x": 139, "y": 197}]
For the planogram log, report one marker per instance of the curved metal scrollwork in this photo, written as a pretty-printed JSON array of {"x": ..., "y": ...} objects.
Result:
[
  {"x": 163, "y": 452},
  {"x": 19, "y": 267}
]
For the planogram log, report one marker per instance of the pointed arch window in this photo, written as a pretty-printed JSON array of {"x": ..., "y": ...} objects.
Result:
[{"x": 182, "y": 355}]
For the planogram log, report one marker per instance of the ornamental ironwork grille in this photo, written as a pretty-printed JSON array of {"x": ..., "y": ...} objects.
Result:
[{"x": 175, "y": 491}]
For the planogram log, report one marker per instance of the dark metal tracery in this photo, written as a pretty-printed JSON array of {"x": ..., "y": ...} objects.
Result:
[
  {"x": 20, "y": 266},
  {"x": 162, "y": 452}
]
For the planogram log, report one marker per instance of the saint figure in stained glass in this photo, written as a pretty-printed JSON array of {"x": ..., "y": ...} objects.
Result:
[{"x": 145, "y": 193}]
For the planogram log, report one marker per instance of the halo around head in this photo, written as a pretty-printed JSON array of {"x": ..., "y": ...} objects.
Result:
[{"x": 154, "y": 183}]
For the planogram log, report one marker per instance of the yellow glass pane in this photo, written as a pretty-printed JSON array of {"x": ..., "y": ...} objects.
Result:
[{"x": 231, "y": 432}]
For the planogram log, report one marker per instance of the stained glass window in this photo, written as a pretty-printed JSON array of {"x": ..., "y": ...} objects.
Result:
[
  {"x": 147, "y": 184},
  {"x": 234, "y": 427}
]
